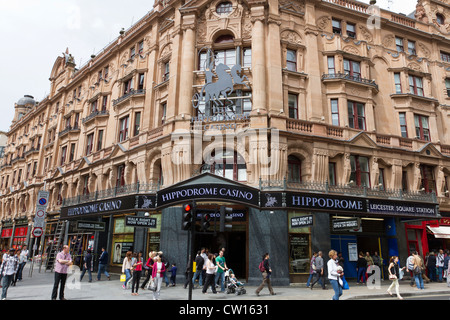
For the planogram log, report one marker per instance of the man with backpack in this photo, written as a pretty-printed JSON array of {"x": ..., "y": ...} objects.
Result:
[{"x": 266, "y": 272}]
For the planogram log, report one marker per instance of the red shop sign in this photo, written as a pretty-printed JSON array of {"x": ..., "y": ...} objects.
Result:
[
  {"x": 21, "y": 232},
  {"x": 6, "y": 233}
]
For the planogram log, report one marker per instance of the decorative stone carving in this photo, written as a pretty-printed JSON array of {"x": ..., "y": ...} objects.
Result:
[
  {"x": 423, "y": 50},
  {"x": 291, "y": 37},
  {"x": 366, "y": 34},
  {"x": 388, "y": 40},
  {"x": 414, "y": 66},
  {"x": 323, "y": 22},
  {"x": 352, "y": 50}
]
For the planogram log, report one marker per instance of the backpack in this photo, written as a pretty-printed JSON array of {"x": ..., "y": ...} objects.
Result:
[{"x": 261, "y": 267}]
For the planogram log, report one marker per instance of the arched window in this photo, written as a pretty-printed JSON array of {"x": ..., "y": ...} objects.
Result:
[
  {"x": 294, "y": 169},
  {"x": 228, "y": 164},
  {"x": 440, "y": 18}
]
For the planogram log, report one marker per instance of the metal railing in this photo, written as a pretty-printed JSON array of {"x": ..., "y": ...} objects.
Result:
[
  {"x": 347, "y": 76},
  {"x": 127, "y": 95}
]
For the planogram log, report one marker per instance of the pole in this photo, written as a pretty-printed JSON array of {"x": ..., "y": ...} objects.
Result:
[{"x": 192, "y": 250}]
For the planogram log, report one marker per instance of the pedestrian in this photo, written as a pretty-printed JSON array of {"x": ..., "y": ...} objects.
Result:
[
  {"x": 204, "y": 254},
  {"x": 148, "y": 267},
  {"x": 266, "y": 273},
  {"x": 377, "y": 261},
  {"x": 418, "y": 268},
  {"x": 394, "y": 274},
  {"x": 369, "y": 263},
  {"x": 410, "y": 267},
  {"x": 10, "y": 265},
  {"x": 448, "y": 275},
  {"x": 221, "y": 268},
  {"x": 210, "y": 269},
  {"x": 335, "y": 273},
  {"x": 173, "y": 275},
  {"x": 158, "y": 271},
  {"x": 312, "y": 269},
  {"x": 22, "y": 262},
  {"x": 87, "y": 265},
  {"x": 361, "y": 267},
  {"x": 166, "y": 265},
  {"x": 14, "y": 279},
  {"x": 103, "y": 264},
  {"x": 137, "y": 270},
  {"x": 431, "y": 266},
  {"x": 440, "y": 264},
  {"x": 127, "y": 265},
  {"x": 319, "y": 271},
  {"x": 446, "y": 260},
  {"x": 341, "y": 260},
  {"x": 62, "y": 263},
  {"x": 199, "y": 261}
]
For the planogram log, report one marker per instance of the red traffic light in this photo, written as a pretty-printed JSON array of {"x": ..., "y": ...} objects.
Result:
[{"x": 187, "y": 207}]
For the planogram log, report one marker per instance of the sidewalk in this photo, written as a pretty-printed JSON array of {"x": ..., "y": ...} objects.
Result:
[{"x": 39, "y": 287}]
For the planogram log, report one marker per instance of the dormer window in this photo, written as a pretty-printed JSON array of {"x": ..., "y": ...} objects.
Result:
[{"x": 224, "y": 8}]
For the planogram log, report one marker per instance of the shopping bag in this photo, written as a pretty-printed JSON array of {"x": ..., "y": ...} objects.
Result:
[
  {"x": 345, "y": 285},
  {"x": 123, "y": 278},
  {"x": 152, "y": 286}
]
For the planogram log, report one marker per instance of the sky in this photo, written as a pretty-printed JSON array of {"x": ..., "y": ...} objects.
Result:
[{"x": 35, "y": 32}]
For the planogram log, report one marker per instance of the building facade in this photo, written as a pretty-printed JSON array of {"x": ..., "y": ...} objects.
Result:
[{"x": 319, "y": 129}]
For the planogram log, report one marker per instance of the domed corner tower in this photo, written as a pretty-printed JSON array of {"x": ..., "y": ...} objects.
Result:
[{"x": 23, "y": 106}]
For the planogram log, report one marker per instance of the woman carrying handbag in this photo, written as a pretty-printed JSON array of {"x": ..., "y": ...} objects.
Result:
[
  {"x": 394, "y": 274},
  {"x": 157, "y": 276}
]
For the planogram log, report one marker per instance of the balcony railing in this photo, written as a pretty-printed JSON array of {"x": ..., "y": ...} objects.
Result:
[
  {"x": 127, "y": 95},
  {"x": 68, "y": 129},
  {"x": 94, "y": 114},
  {"x": 349, "y": 77}
]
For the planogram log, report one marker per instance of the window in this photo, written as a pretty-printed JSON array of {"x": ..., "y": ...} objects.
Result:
[
  {"x": 85, "y": 185},
  {"x": 404, "y": 180},
  {"x": 352, "y": 68},
  {"x": 63, "y": 155},
  {"x": 163, "y": 112},
  {"x": 447, "y": 86},
  {"x": 445, "y": 56},
  {"x": 227, "y": 57},
  {"x": 132, "y": 53},
  {"x": 399, "y": 44},
  {"x": 99, "y": 140},
  {"x": 89, "y": 144},
  {"x": 247, "y": 57},
  {"x": 415, "y": 85},
  {"x": 224, "y": 8},
  {"x": 291, "y": 60},
  {"x": 137, "y": 123},
  {"x": 246, "y": 104},
  {"x": 99, "y": 76},
  {"x": 381, "y": 185},
  {"x": 77, "y": 119},
  {"x": 440, "y": 18},
  {"x": 141, "y": 81},
  {"x": 412, "y": 47},
  {"x": 335, "y": 112},
  {"x": 128, "y": 86},
  {"x": 336, "y": 24},
  {"x": 293, "y": 106},
  {"x": 332, "y": 173},
  {"x": 422, "y": 127},
  {"x": 228, "y": 164},
  {"x": 19, "y": 177},
  {"x": 166, "y": 71},
  {"x": 94, "y": 106},
  {"x": 351, "y": 30},
  {"x": 428, "y": 182},
  {"x": 360, "y": 171},
  {"x": 403, "y": 128},
  {"x": 398, "y": 84},
  {"x": 68, "y": 123},
  {"x": 356, "y": 115},
  {"x": 72, "y": 152},
  {"x": 105, "y": 75},
  {"x": 123, "y": 129},
  {"x": 294, "y": 169},
  {"x": 104, "y": 102},
  {"x": 120, "y": 182},
  {"x": 141, "y": 47},
  {"x": 331, "y": 67}
]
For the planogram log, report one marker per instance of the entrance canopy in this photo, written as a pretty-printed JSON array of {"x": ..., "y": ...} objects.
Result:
[{"x": 441, "y": 232}]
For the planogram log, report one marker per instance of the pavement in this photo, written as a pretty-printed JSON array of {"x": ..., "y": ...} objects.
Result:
[{"x": 38, "y": 286}]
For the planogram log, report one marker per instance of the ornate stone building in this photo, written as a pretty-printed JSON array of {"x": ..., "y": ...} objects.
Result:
[{"x": 325, "y": 101}]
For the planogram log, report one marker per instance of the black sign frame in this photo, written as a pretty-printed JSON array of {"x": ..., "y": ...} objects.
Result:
[{"x": 140, "y": 222}]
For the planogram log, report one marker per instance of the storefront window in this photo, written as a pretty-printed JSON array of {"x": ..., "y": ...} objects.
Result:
[
  {"x": 153, "y": 237},
  {"x": 299, "y": 246},
  {"x": 123, "y": 240}
]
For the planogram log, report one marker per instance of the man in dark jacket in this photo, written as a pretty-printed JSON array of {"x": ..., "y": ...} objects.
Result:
[
  {"x": 198, "y": 269},
  {"x": 431, "y": 265},
  {"x": 102, "y": 264},
  {"x": 87, "y": 265}
]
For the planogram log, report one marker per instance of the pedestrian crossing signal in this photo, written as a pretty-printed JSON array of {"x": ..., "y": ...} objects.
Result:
[{"x": 188, "y": 214}]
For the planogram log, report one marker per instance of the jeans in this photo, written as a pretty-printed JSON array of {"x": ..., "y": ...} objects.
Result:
[
  {"x": 84, "y": 271},
  {"x": 432, "y": 273},
  {"x": 319, "y": 279},
  {"x": 419, "y": 281},
  {"x": 102, "y": 269},
  {"x": 135, "y": 283},
  {"x": 198, "y": 274},
  {"x": 361, "y": 273},
  {"x": 337, "y": 289},
  {"x": 6, "y": 281},
  {"x": 156, "y": 293},
  {"x": 221, "y": 276},
  {"x": 127, "y": 277},
  {"x": 440, "y": 272},
  {"x": 209, "y": 281},
  {"x": 59, "y": 278},
  {"x": 309, "y": 279},
  {"x": 19, "y": 271}
]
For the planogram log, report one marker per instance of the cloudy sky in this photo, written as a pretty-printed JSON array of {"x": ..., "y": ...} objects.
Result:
[{"x": 35, "y": 32}]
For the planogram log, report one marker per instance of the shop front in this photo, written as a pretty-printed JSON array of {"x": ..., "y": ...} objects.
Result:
[{"x": 7, "y": 232}]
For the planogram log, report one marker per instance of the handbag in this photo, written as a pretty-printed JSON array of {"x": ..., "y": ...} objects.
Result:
[
  {"x": 123, "y": 278},
  {"x": 152, "y": 285},
  {"x": 392, "y": 277},
  {"x": 345, "y": 285}
]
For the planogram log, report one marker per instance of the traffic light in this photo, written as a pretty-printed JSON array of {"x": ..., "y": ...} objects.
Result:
[
  {"x": 206, "y": 221},
  {"x": 188, "y": 215},
  {"x": 225, "y": 216}
]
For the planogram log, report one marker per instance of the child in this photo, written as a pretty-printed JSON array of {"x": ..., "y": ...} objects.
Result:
[{"x": 173, "y": 277}]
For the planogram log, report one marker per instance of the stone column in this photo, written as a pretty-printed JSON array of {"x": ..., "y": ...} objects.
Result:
[{"x": 258, "y": 59}]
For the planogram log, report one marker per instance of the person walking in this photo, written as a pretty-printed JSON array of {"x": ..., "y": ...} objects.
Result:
[
  {"x": 319, "y": 271},
  {"x": 418, "y": 268},
  {"x": 431, "y": 266},
  {"x": 87, "y": 265},
  {"x": 312, "y": 269},
  {"x": 221, "y": 268},
  {"x": 173, "y": 275},
  {"x": 103, "y": 264},
  {"x": 210, "y": 270},
  {"x": 446, "y": 260},
  {"x": 137, "y": 270},
  {"x": 127, "y": 265},
  {"x": 410, "y": 267},
  {"x": 265, "y": 275},
  {"x": 198, "y": 269},
  {"x": 158, "y": 271},
  {"x": 394, "y": 274},
  {"x": 10, "y": 265},
  {"x": 335, "y": 273},
  {"x": 22, "y": 262},
  {"x": 62, "y": 263},
  {"x": 440, "y": 264},
  {"x": 166, "y": 265},
  {"x": 361, "y": 267}
]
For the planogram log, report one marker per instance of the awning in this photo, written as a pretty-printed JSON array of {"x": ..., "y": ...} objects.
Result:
[{"x": 440, "y": 232}]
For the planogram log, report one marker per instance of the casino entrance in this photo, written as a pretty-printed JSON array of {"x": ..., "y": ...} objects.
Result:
[{"x": 235, "y": 241}]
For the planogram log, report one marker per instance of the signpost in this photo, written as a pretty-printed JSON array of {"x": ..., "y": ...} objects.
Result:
[{"x": 40, "y": 213}]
